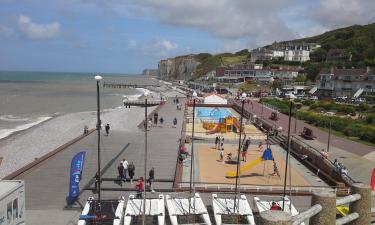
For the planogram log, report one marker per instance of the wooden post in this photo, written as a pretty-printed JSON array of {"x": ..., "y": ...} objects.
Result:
[
  {"x": 363, "y": 205},
  {"x": 327, "y": 199},
  {"x": 275, "y": 218}
]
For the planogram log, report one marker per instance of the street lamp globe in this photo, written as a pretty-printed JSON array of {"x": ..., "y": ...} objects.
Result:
[
  {"x": 98, "y": 77},
  {"x": 280, "y": 129},
  {"x": 244, "y": 95}
]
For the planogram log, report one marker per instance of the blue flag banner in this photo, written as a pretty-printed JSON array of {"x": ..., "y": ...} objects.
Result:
[{"x": 76, "y": 169}]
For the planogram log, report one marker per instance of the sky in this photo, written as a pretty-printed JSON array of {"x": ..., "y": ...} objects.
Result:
[{"x": 127, "y": 36}]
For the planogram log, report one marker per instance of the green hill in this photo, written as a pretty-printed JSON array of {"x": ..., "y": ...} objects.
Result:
[
  {"x": 359, "y": 41},
  {"x": 210, "y": 62}
]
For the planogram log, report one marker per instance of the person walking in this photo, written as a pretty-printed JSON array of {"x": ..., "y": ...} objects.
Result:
[
  {"x": 222, "y": 155},
  {"x": 107, "y": 129},
  {"x": 175, "y": 122},
  {"x": 139, "y": 187},
  {"x": 131, "y": 171},
  {"x": 151, "y": 177},
  {"x": 120, "y": 169},
  {"x": 216, "y": 141},
  {"x": 161, "y": 121},
  {"x": 156, "y": 116},
  {"x": 125, "y": 165}
]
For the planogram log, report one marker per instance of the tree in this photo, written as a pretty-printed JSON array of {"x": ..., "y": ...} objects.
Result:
[{"x": 318, "y": 55}]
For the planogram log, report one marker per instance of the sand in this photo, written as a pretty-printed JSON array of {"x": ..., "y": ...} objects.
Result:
[{"x": 208, "y": 158}]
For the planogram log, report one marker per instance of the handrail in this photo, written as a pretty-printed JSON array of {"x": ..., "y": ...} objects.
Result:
[
  {"x": 347, "y": 219},
  {"x": 348, "y": 199},
  {"x": 300, "y": 218},
  {"x": 317, "y": 151}
]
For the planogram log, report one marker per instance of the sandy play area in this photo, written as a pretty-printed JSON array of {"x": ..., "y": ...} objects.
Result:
[{"x": 211, "y": 169}]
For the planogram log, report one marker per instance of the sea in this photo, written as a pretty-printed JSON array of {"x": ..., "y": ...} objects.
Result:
[{"x": 29, "y": 98}]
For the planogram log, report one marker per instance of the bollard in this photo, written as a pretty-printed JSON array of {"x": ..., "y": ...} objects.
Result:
[
  {"x": 363, "y": 205},
  {"x": 327, "y": 199},
  {"x": 270, "y": 217}
]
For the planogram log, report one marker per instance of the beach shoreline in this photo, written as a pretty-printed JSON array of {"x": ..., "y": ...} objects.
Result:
[{"x": 24, "y": 146}]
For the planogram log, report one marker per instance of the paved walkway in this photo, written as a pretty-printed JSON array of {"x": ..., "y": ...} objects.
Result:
[
  {"x": 322, "y": 136},
  {"x": 47, "y": 185},
  {"x": 350, "y": 153}
]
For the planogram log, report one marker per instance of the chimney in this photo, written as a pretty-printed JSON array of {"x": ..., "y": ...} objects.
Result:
[{"x": 368, "y": 69}]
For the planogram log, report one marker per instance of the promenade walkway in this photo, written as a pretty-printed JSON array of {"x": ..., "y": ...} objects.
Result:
[
  {"x": 47, "y": 184},
  {"x": 322, "y": 136},
  {"x": 357, "y": 157}
]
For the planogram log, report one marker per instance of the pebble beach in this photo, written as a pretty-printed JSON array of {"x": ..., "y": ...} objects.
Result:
[{"x": 21, "y": 148}]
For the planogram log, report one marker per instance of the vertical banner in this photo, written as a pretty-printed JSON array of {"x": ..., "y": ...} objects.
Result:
[
  {"x": 373, "y": 180},
  {"x": 76, "y": 169}
]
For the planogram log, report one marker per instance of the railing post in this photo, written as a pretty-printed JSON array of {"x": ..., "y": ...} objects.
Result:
[
  {"x": 361, "y": 206},
  {"x": 327, "y": 199},
  {"x": 275, "y": 218}
]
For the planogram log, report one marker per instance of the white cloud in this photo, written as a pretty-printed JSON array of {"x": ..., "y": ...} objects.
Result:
[
  {"x": 32, "y": 30},
  {"x": 339, "y": 13},
  {"x": 257, "y": 21},
  {"x": 159, "y": 48},
  {"x": 167, "y": 45}
]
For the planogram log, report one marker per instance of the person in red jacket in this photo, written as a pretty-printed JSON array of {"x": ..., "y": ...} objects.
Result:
[
  {"x": 139, "y": 187},
  {"x": 275, "y": 207}
]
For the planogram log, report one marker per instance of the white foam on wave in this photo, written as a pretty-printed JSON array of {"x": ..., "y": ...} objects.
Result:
[
  {"x": 136, "y": 97},
  {"x": 12, "y": 118},
  {"x": 6, "y": 132}
]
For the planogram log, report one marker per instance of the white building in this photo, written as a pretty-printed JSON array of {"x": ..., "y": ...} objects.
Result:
[
  {"x": 297, "y": 55},
  {"x": 346, "y": 82},
  {"x": 215, "y": 99},
  {"x": 277, "y": 54}
]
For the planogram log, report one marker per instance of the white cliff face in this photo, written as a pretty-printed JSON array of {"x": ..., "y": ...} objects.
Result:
[{"x": 179, "y": 68}]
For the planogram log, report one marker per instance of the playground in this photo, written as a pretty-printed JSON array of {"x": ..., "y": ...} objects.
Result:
[
  {"x": 213, "y": 121},
  {"x": 257, "y": 170}
]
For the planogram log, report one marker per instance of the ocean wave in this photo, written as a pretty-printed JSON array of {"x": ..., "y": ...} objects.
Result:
[
  {"x": 12, "y": 118},
  {"x": 6, "y": 132}
]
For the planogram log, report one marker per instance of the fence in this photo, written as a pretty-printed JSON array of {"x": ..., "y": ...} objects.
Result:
[{"x": 323, "y": 210}]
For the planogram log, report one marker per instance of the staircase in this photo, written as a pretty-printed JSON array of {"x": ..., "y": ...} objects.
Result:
[
  {"x": 278, "y": 140},
  {"x": 358, "y": 93}
]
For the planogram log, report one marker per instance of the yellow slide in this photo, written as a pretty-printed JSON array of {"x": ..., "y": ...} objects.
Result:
[
  {"x": 245, "y": 167},
  {"x": 343, "y": 210}
]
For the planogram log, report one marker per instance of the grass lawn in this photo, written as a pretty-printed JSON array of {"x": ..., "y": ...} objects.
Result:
[{"x": 340, "y": 134}]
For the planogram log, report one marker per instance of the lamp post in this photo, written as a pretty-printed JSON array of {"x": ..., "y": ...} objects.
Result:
[
  {"x": 145, "y": 164},
  {"x": 329, "y": 131},
  {"x": 98, "y": 127},
  {"x": 243, "y": 98},
  {"x": 288, "y": 151},
  {"x": 192, "y": 155},
  {"x": 295, "y": 118}
]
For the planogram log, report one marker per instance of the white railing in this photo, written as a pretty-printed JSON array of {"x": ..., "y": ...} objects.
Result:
[{"x": 300, "y": 218}]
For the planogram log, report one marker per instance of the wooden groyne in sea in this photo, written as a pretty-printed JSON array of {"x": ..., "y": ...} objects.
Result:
[{"x": 127, "y": 85}]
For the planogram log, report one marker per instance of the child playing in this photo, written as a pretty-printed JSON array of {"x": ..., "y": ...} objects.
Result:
[{"x": 260, "y": 146}]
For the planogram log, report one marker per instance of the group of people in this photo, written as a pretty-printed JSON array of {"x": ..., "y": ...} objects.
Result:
[
  {"x": 156, "y": 119},
  {"x": 126, "y": 169},
  {"x": 340, "y": 168},
  {"x": 177, "y": 102},
  {"x": 219, "y": 145}
]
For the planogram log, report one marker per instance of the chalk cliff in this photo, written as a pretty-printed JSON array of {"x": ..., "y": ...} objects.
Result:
[{"x": 178, "y": 68}]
